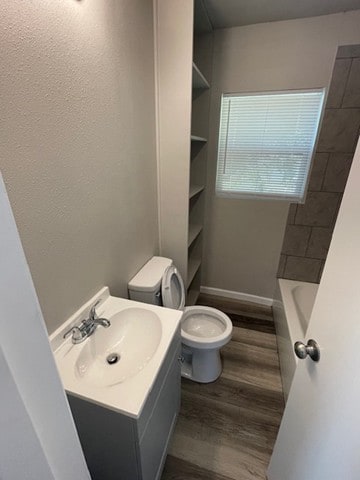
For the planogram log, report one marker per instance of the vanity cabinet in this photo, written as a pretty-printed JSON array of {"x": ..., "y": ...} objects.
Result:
[{"x": 121, "y": 447}]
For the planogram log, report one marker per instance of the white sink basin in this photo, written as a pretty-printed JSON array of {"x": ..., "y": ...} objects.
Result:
[
  {"x": 131, "y": 341},
  {"x": 135, "y": 345}
]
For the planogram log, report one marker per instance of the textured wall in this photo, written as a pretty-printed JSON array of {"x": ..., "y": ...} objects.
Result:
[
  {"x": 310, "y": 226},
  {"x": 243, "y": 238},
  {"x": 77, "y": 147}
]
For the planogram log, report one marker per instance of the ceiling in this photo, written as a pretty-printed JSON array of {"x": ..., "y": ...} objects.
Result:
[{"x": 231, "y": 13}]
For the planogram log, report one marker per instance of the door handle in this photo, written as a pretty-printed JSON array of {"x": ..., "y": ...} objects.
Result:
[{"x": 312, "y": 349}]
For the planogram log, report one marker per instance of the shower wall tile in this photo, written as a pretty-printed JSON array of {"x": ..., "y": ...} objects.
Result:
[
  {"x": 281, "y": 267},
  {"x": 303, "y": 269},
  {"x": 310, "y": 225},
  {"x": 292, "y": 213},
  {"x": 337, "y": 172},
  {"x": 296, "y": 240},
  {"x": 321, "y": 270},
  {"x": 337, "y": 209},
  {"x": 352, "y": 92},
  {"x": 338, "y": 82},
  {"x": 319, "y": 209},
  {"x": 348, "y": 51},
  {"x": 339, "y": 131},
  {"x": 317, "y": 171},
  {"x": 319, "y": 242}
]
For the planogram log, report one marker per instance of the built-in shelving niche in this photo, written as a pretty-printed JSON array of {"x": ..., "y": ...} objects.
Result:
[
  {"x": 202, "y": 23},
  {"x": 198, "y": 79},
  {"x": 195, "y": 190},
  {"x": 194, "y": 269},
  {"x": 194, "y": 258},
  {"x": 195, "y": 138},
  {"x": 194, "y": 232},
  {"x": 197, "y": 173}
]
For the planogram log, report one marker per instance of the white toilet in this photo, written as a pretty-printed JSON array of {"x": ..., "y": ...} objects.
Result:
[{"x": 204, "y": 330}]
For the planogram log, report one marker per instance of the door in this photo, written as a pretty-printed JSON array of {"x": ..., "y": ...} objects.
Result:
[
  {"x": 38, "y": 440},
  {"x": 319, "y": 437}
]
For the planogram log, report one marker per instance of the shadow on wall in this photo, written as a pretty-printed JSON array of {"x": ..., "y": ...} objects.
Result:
[{"x": 310, "y": 226}]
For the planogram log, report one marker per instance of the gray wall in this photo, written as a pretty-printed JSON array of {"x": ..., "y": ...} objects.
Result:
[
  {"x": 243, "y": 238},
  {"x": 77, "y": 147},
  {"x": 310, "y": 226}
]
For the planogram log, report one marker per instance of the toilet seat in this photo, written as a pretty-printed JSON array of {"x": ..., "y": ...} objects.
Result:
[
  {"x": 172, "y": 289},
  {"x": 205, "y": 327},
  {"x": 201, "y": 327}
]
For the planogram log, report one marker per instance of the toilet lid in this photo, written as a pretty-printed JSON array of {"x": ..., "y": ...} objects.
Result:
[{"x": 172, "y": 289}]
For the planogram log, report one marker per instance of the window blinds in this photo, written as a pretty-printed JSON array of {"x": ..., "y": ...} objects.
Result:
[{"x": 266, "y": 141}]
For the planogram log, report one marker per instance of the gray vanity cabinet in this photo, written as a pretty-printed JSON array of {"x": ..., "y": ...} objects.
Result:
[{"x": 119, "y": 447}]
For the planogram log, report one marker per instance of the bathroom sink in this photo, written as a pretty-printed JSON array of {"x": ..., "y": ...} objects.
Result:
[
  {"x": 116, "y": 366},
  {"x": 112, "y": 355}
]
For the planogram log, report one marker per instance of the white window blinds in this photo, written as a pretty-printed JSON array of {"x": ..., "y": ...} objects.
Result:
[{"x": 266, "y": 141}]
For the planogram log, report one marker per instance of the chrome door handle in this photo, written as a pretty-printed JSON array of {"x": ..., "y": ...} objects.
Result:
[{"x": 312, "y": 349}]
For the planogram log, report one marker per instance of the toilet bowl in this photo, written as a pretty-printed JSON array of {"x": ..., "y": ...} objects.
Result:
[{"x": 204, "y": 330}]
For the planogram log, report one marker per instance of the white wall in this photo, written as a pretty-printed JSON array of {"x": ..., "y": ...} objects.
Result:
[
  {"x": 38, "y": 439},
  {"x": 20, "y": 448},
  {"x": 244, "y": 238},
  {"x": 77, "y": 148},
  {"x": 174, "y": 35}
]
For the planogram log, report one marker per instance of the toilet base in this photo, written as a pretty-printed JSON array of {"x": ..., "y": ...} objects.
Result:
[{"x": 200, "y": 365}]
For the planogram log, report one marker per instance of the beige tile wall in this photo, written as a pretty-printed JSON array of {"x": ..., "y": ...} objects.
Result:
[{"x": 310, "y": 225}]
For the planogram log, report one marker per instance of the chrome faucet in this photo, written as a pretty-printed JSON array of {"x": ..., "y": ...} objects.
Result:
[{"x": 87, "y": 327}]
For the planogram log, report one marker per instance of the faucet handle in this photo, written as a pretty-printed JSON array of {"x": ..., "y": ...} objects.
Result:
[
  {"x": 66, "y": 334},
  {"x": 75, "y": 331},
  {"x": 92, "y": 314}
]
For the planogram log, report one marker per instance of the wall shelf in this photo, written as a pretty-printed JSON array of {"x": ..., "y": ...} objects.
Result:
[
  {"x": 195, "y": 190},
  {"x": 195, "y": 138},
  {"x": 193, "y": 267},
  {"x": 198, "y": 79},
  {"x": 197, "y": 183},
  {"x": 194, "y": 231}
]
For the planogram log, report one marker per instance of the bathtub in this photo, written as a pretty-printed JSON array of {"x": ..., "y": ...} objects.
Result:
[{"x": 292, "y": 309}]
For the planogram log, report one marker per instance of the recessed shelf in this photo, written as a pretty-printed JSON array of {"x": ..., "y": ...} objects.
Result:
[
  {"x": 195, "y": 190},
  {"x": 202, "y": 23},
  {"x": 198, "y": 79},
  {"x": 192, "y": 296},
  {"x": 193, "y": 267},
  {"x": 194, "y": 231},
  {"x": 195, "y": 138}
]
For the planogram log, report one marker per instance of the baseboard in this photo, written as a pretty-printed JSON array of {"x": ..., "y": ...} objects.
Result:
[{"x": 244, "y": 297}]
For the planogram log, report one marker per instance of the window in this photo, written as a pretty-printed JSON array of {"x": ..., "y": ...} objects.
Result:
[{"x": 266, "y": 142}]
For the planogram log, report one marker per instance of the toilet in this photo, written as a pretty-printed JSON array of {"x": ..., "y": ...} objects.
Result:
[{"x": 204, "y": 330}]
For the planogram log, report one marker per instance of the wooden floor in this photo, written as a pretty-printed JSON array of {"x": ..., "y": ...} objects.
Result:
[{"x": 226, "y": 430}]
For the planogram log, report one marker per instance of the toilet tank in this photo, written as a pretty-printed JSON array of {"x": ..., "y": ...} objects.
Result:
[{"x": 146, "y": 285}]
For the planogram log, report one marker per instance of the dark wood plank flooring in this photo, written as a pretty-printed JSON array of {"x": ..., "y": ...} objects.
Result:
[{"x": 226, "y": 429}]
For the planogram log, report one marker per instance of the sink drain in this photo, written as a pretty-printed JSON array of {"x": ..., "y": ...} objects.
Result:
[{"x": 112, "y": 358}]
